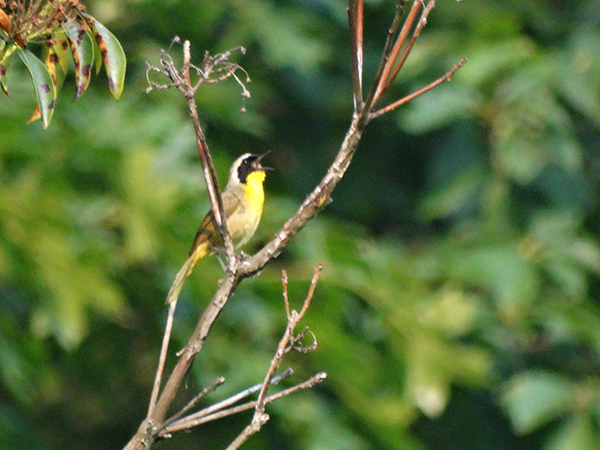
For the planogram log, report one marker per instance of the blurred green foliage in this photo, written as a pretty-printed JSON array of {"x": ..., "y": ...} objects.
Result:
[{"x": 458, "y": 307}]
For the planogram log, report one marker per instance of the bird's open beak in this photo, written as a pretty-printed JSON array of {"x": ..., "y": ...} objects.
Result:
[{"x": 257, "y": 162}]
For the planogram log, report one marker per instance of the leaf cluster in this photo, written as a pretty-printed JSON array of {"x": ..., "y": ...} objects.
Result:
[{"x": 61, "y": 28}]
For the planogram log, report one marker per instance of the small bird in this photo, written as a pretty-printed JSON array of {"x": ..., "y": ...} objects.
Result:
[{"x": 243, "y": 200}]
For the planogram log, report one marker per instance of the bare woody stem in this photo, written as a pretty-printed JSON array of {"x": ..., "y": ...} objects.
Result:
[
  {"x": 386, "y": 79},
  {"x": 318, "y": 378},
  {"x": 317, "y": 199},
  {"x": 243, "y": 437},
  {"x": 176, "y": 424},
  {"x": 309, "y": 208},
  {"x": 422, "y": 21},
  {"x": 286, "y": 344},
  {"x": 210, "y": 175},
  {"x": 421, "y": 91},
  {"x": 293, "y": 318},
  {"x": 386, "y": 53},
  {"x": 356, "y": 20},
  {"x": 185, "y": 87}
]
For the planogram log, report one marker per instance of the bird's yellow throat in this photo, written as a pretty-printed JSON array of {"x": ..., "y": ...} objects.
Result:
[{"x": 255, "y": 194}]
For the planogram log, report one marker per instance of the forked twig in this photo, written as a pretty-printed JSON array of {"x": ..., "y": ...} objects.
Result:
[
  {"x": 385, "y": 56},
  {"x": 392, "y": 61},
  {"x": 243, "y": 437},
  {"x": 385, "y": 79},
  {"x": 293, "y": 318},
  {"x": 286, "y": 344},
  {"x": 198, "y": 417},
  {"x": 214, "y": 385},
  {"x": 421, "y": 91},
  {"x": 177, "y": 426},
  {"x": 422, "y": 21}
]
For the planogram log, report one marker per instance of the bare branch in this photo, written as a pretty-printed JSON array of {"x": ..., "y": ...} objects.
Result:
[
  {"x": 214, "y": 385},
  {"x": 163, "y": 357},
  {"x": 385, "y": 56},
  {"x": 421, "y": 91},
  {"x": 422, "y": 22},
  {"x": 392, "y": 61},
  {"x": 191, "y": 420},
  {"x": 214, "y": 69},
  {"x": 316, "y": 379},
  {"x": 286, "y": 301},
  {"x": 210, "y": 175},
  {"x": 311, "y": 291},
  {"x": 356, "y": 22},
  {"x": 293, "y": 319},
  {"x": 260, "y": 418},
  {"x": 385, "y": 80}
]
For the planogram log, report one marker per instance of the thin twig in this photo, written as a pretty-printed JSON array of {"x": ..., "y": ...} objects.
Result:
[
  {"x": 314, "y": 202},
  {"x": 422, "y": 22},
  {"x": 421, "y": 91},
  {"x": 311, "y": 290},
  {"x": 356, "y": 22},
  {"x": 213, "y": 386},
  {"x": 260, "y": 418},
  {"x": 210, "y": 174},
  {"x": 163, "y": 357},
  {"x": 192, "y": 418},
  {"x": 179, "y": 425},
  {"x": 293, "y": 319},
  {"x": 286, "y": 301},
  {"x": 385, "y": 80},
  {"x": 385, "y": 56}
]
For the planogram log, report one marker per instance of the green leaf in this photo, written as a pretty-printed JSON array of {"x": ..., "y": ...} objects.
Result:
[
  {"x": 577, "y": 433},
  {"x": 507, "y": 275},
  {"x": 112, "y": 53},
  {"x": 535, "y": 398},
  {"x": 487, "y": 61},
  {"x": 578, "y": 72},
  {"x": 82, "y": 49},
  {"x": 56, "y": 59},
  {"x": 5, "y": 52},
  {"x": 97, "y": 55},
  {"x": 42, "y": 83},
  {"x": 3, "y": 84},
  {"x": 571, "y": 278},
  {"x": 520, "y": 155},
  {"x": 454, "y": 195},
  {"x": 440, "y": 107}
]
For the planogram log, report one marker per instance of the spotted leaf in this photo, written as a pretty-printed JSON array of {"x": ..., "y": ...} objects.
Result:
[
  {"x": 82, "y": 49},
  {"x": 112, "y": 54},
  {"x": 3, "y": 84},
  {"x": 42, "y": 83},
  {"x": 56, "y": 59}
]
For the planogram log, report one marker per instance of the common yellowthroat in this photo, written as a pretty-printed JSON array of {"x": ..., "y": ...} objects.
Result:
[{"x": 243, "y": 200}]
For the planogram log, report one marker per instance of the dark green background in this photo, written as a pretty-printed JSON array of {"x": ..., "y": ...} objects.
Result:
[{"x": 458, "y": 307}]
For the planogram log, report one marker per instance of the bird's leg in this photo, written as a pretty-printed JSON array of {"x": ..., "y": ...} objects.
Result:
[{"x": 223, "y": 265}]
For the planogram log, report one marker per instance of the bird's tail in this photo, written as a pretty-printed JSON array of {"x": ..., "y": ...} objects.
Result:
[{"x": 199, "y": 252}]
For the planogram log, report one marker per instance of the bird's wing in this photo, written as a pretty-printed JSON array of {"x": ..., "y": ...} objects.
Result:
[{"x": 208, "y": 228}]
